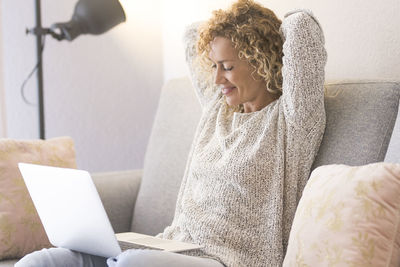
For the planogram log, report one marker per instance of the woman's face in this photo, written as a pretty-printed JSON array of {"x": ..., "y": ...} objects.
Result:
[{"x": 235, "y": 79}]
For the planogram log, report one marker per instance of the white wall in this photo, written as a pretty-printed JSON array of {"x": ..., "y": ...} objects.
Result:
[
  {"x": 2, "y": 96},
  {"x": 100, "y": 90},
  {"x": 362, "y": 37}
]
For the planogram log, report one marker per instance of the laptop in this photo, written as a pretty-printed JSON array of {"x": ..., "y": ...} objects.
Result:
[{"x": 73, "y": 215}]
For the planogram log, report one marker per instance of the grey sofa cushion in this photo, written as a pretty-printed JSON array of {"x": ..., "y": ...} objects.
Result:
[
  {"x": 166, "y": 155},
  {"x": 393, "y": 153},
  {"x": 118, "y": 192},
  {"x": 360, "y": 119}
]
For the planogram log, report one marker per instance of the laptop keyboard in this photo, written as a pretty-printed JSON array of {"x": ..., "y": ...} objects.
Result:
[{"x": 127, "y": 245}]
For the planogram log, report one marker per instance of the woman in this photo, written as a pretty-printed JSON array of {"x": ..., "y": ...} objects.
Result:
[
  {"x": 257, "y": 137},
  {"x": 262, "y": 122}
]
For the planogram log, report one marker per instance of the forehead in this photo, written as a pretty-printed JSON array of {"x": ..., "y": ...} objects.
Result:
[{"x": 222, "y": 49}]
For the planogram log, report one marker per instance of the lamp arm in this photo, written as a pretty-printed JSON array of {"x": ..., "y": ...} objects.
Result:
[{"x": 44, "y": 31}]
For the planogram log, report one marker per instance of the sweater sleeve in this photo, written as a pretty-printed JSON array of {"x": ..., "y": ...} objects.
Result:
[
  {"x": 202, "y": 81},
  {"x": 303, "y": 70}
]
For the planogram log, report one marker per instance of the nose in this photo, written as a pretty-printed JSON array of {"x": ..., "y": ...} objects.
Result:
[{"x": 219, "y": 76}]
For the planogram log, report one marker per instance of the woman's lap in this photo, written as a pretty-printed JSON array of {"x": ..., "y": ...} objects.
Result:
[
  {"x": 60, "y": 257},
  {"x": 133, "y": 258},
  {"x": 154, "y": 258}
]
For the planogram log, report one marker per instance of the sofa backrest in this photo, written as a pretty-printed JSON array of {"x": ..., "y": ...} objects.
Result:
[
  {"x": 360, "y": 119},
  {"x": 173, "y": 131},
  {"x": 359, "y": 122}
]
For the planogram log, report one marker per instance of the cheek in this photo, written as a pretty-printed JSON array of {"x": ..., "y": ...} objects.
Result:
[
  {"x": 250, "y": 85},
  {"x": 241, "y": 78},
  {"x": 243, "y": 87},
  {"x": 235, "y": 79}
]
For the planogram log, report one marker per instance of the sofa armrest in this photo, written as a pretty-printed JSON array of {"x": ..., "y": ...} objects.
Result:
[{"x": 118, "y": 192}]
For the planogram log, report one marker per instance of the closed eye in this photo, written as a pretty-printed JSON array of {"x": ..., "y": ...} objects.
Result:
[{"x": 214, "y": 66}]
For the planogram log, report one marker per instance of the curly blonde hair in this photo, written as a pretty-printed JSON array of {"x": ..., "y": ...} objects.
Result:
[{"x": 254, "y": 32}]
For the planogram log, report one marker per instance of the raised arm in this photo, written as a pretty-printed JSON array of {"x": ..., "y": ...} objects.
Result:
[
  {"x": 202, "y": 82},
  {"x": 303, "y": 70}
]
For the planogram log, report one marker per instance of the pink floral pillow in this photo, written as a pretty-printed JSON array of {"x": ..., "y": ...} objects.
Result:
[
  {"x": 21, "y": 231},
  {"x": 348, "y": 216}
]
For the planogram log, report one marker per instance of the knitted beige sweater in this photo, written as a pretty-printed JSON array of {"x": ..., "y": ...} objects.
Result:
[{"x": 246, "y": 173}]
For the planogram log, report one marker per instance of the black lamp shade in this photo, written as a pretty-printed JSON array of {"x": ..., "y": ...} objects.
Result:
[{"x": 91, "y": 17}]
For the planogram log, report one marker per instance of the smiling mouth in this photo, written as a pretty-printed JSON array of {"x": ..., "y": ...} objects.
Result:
[{"x": 228, "y": 90}]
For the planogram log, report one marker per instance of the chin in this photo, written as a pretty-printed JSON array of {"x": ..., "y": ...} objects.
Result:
[{"x": 231, "y": 102}]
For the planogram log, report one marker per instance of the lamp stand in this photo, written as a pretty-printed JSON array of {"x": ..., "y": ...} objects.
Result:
[
  {"x": 90, "y": 16},
  {"x": 39, "y": 54}
]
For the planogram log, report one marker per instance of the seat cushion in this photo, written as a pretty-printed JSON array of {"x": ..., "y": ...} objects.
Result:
[
  {"x": 359, "y": 122},
  {"x": 166, "y": 155}
]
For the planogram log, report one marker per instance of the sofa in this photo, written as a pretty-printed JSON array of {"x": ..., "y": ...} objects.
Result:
[{"x": 362, "y": 127}]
